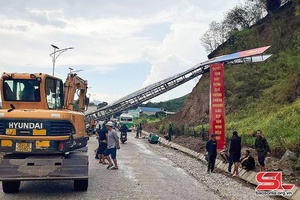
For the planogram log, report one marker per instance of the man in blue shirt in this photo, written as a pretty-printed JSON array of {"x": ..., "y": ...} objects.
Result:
[
  {"x": 102, "y": 144},
  {"x": 124, "y": 129},
  {"x": 211, "y": 148}
]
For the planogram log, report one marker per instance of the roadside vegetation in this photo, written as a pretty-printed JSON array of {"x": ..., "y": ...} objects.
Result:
[
  {"x": 173, "y": 105},
  {"x": 145, "y": 119}
]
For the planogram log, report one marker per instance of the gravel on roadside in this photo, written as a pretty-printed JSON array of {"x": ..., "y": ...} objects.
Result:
[{"x": 226, "y": 186}]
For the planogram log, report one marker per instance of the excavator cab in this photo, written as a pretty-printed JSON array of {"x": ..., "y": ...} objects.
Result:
[{"x": 32, "y": 91}]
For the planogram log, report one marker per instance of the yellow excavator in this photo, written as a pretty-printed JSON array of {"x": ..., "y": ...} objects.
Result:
[{"x": 42, "y": 136}]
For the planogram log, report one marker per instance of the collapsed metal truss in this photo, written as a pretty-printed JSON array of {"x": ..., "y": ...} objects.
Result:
[{"x": 165, "y": 85}]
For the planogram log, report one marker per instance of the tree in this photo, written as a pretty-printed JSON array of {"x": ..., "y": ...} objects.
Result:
[
  {"x": 272, "y": 5},
  {"x": 243, "y": 16},
  {"x": 237, "y": 18},
  {"x": 216, "y": 35},
  {"x": 160, "y": 115},
  {"x": 256, "y": 10},
  {"x": 240, "y": 17}
]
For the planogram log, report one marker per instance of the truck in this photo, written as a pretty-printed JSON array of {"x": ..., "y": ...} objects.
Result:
[{"x": 42, "y": 136}]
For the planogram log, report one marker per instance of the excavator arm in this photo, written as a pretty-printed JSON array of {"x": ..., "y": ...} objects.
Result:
[{"x": 75, "y": 85}]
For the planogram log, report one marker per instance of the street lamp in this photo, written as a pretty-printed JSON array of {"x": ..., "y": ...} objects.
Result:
[
  {"x": 55, "y": 56},
  {"x": 72, "y": 71}
]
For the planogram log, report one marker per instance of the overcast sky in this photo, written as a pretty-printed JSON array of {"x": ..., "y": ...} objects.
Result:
[{"x": 121, "y": 45}]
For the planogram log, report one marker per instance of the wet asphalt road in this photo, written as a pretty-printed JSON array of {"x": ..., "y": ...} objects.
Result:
[{"x": 143, "y": 174}]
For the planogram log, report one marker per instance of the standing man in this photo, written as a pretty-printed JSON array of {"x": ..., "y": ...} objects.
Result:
[
  {"x": 141, "y": 129},
  {"x": 235, "y": 152},
  {"x": 102, "y": 138},
  {"x": 262, "y": 148},
  {"x": 112, "y": 146},
  {"x": 170, "y": 132},
  {"x": 211, "y": 148},
  {"x": 137, "y": 130},
  {"x": 114, "y": 125}
]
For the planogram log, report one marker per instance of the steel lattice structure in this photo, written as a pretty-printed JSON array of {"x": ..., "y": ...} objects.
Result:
[{"x": 165, "y": 85}]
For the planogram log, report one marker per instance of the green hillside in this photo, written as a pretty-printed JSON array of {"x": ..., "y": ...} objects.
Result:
[
  {"x": 173, "y": 105},
  {"x": 265, "y": 96}
]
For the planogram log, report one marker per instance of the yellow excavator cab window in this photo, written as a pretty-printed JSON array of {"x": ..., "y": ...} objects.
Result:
[{"x": 27, "y": 90}]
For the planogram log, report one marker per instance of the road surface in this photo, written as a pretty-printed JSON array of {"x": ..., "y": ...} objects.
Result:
[{"x": 143, "y": 174}]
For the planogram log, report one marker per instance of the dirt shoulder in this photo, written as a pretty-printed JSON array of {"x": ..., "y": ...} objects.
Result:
[{"x": 272, "y": 163}]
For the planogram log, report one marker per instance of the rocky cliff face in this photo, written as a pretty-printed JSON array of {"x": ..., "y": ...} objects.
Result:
[{"x": 196, "y": 108}]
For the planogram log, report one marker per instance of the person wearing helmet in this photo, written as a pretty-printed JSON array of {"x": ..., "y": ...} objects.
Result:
[
  {"x": 112, "y": 146},
  {"x": 211, "y": 148}
]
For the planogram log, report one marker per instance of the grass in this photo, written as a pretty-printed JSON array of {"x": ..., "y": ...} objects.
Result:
[
  {"x": 280, "y": 123},
  {"x": 144, "y": 119}
]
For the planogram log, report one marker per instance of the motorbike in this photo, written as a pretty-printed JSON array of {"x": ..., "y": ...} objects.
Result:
[{"x": 123, "y": 137}]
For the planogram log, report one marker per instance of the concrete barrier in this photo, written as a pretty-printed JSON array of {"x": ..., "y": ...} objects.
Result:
[
  {"x": 241, "y": 172},
  {"x": 296, "y": 194}
]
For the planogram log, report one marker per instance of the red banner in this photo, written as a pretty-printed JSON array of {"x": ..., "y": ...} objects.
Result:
[{"x": 217, "y": 106}]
